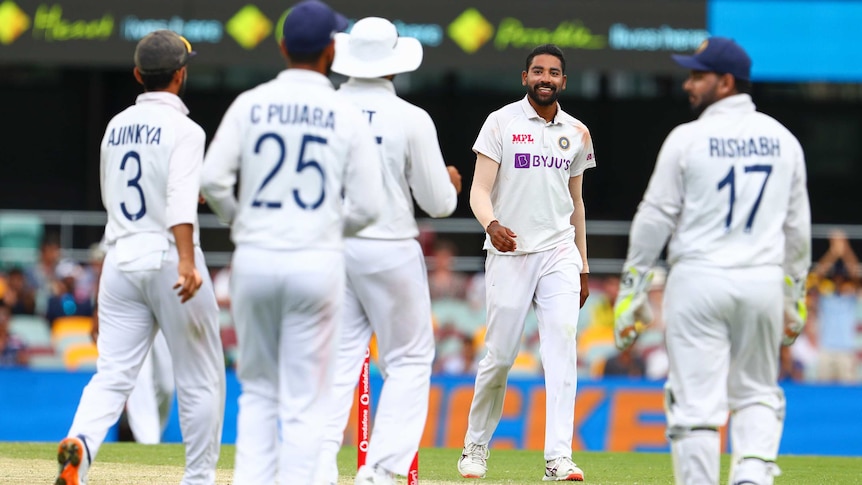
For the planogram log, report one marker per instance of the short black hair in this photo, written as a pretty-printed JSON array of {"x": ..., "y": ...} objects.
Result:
[
  {"x": 743, "y": 86},
  {"x": 550, "y": 49},
  {"x": 302, "y": 57},
  {"x": 157, "y": 81}
]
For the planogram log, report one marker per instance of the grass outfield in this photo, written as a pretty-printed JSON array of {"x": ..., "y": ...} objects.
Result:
[{"x": 128, "y": 463}]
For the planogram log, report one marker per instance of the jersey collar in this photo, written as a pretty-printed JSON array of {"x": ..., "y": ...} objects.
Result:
[
  {"x": 304, "y": 76},
  {"x": 366, "y": 83},
  {"x": 165, "y": 98},
  {"x": 738, "y": 103},
  {"x": 530, "y": 112}
]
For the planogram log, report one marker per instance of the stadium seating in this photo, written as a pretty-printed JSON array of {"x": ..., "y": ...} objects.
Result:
[
  {"x": 20, "y": 237},
  {"x": 80, "y": 356},
  {"x": 32, "y": 330}
]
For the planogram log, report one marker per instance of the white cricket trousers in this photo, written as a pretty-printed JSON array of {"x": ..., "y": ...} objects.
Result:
[
  {"x": 287, "y": 311},
  {"x": 724, "y": 328},
  {"x": 149, "y": 405},
  {"x": 133, "y": 305},
  {"x": 550, "y": 282},
  {"x": 387, "y": 294}
]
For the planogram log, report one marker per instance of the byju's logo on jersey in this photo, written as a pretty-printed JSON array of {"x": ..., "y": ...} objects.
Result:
[
  {"x": 527, "y": 160},
  {"x": 522, "y": 160},
  {"x": 522, "y": 138}
]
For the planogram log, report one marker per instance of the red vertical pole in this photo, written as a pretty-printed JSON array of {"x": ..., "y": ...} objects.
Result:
[
  {"x": 413, "y": 477},
  {"x": 364, "y": 412}
]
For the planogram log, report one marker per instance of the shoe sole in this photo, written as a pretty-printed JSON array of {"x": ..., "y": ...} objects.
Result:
[
  {"x": 469, "y": 475},
  {"x": 69, "y": 455},
  {"x": 574, "y": 477}
]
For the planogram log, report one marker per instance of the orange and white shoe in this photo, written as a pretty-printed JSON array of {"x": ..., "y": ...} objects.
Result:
[{"x": 73, "y": 460}]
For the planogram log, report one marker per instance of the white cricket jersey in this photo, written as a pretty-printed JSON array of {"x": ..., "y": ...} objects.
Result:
[
  {"x": 300, "y": 148},
  {"x": 731, "y": 189},
  {"x": 531, "y": 194},
  {"x": 151, "y": 158},
  {"x": 411, "y": 157}
]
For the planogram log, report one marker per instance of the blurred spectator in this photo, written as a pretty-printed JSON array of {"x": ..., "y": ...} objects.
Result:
[
  {"x": 221, "y": 285},
  {"x": 464, "y": 362},
  {"x": 837, "y": 299},
  {"x": 476, "y": 291},
  {"x": 65, "y": 302},
  {"x": 596, "y": 332},
  {"x": 19, "y": 296},
  {"x": 42, "y": 277},
  {"x": 790, "y": 369},
  {"x": 13, "y": 352},
  {"x": 626, "y": 363},
  {"x": 443, "y": 280},
  {"x": 88, "y": 279},
  {"x": 427, "y": 238}
]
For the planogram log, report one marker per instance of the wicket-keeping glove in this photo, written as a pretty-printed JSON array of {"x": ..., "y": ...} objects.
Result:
[
  {"x": 632, "y": 312},
  {"x": 795, "y": 309}
]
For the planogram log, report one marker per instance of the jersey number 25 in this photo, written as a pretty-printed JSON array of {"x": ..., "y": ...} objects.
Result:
[{"x": 301, "y": 164}]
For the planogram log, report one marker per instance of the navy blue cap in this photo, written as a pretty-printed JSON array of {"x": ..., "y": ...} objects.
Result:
[
  {"x": 719, "y": 55},
  {"x": 310, "y": 26}
]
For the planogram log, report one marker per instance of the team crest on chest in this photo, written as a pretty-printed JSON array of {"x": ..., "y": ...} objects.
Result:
[{"x": 564, "y": 143}]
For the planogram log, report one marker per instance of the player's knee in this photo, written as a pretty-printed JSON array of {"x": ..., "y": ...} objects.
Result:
[
  {"x": 754, "y": 471},
  {"x": 680, "y": 432}
]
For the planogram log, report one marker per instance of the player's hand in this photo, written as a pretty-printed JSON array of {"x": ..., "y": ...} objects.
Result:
[
  {"x": 189, "y": 280},
  {"x": 454, "y": 177},
  {"x": 795, "y": 309},
  {"x": 502, "y": 237},
  {"x": 585, "y": 288},
  {"x": 632, "y": 312}
]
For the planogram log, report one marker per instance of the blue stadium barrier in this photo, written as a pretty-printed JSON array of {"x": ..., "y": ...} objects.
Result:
[{"x": 611, "y": 414}]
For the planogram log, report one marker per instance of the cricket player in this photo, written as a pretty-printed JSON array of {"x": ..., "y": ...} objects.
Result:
[
  {"x": 729, "y": 191},
  {"x": 300, "y": 149},
  {"x": 387, "y": 282},
  {"x": 154, "y": 275},
  {"x": 527, "y": 194},
  {"x": 149, "y": 405}
]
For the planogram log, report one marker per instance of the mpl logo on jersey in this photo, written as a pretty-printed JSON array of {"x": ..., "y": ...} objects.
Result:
[
  {"x": 527, "y": 160},
  {"x": 522, "y": 138}
]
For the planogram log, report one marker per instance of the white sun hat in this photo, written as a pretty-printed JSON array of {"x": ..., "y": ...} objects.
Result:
[{"x": 373, "y": 49}]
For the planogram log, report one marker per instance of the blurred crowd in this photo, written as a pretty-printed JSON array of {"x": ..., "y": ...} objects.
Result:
[{"x": 55, "y": 288}]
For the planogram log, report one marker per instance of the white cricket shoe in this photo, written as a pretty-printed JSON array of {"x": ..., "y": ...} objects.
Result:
[
  {"x": 374, "y": 476},
  {"x": 474, "y": 461},
  {"x": 562, "y": 469}
]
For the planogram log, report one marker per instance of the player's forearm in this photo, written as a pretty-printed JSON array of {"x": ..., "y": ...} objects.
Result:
[
  {"x": 184, "y": 237},
  {"x": 218, "y": 192},
  {"x": 434, "y": 192},
  {"x": 480, "y": 191},
  {"x": 579, "y": 221},
  {"x": 650, "y": 230}
]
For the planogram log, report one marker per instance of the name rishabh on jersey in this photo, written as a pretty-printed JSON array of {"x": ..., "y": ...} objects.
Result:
[
  {"x": 151, "y": 157},
  {"x": 732, "y": 181},
  {"x": 537, "y": 158}
]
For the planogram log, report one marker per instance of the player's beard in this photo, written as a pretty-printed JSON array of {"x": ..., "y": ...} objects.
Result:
[
  {"x": 538, "y": 99},
  {"x": 706, "y": 99}
]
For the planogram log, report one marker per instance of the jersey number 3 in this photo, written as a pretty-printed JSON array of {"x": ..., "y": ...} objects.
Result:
[
  {"x": 133, "y": 182},
  {"x": 301, "y": 164},
  {"x": 730, "y": 180}
]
